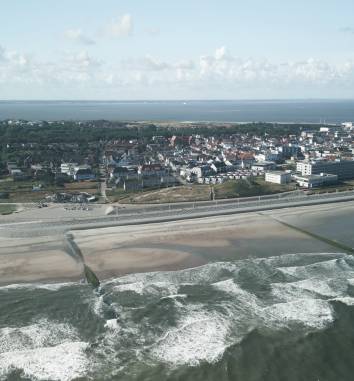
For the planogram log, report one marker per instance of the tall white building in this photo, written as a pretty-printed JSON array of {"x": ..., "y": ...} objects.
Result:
[{"x": 344, "y": 169}]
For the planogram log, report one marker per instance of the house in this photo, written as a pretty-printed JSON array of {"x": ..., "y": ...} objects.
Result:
[
  {"x": 202, "y": 171},
  {"x": 263, "y": 166},
  {"x": 68, "y": 168},
  {"x": 83, "y": 172},
  {"x": 124, "y": 173},
  {"x": 151, "y": 170},
  {"x": 278, "y": 177}
]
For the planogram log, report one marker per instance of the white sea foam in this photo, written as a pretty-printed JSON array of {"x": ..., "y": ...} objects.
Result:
[
  {"x": 230, "y": 287},
  {"x": 158, "y": 288},
  {"x": 313, "y": 313},
  {"x": 137, "y": 287},
  {"x": 349, "y": 301},
  {"x": 40, "y": 286},
  {"x": 42, "y": 333},
  {"x": 307, "y": 288},
  {"x": 112, "y": 324},
  {"x": 63, "y": 362},
  {"x": 97, "y": 305},
  {"x": 303, "y": 302},
  {"x": 325, "y": 269},
  {"x": 198, "y": 337},
  {"x": 44, "y": 350},
  {"x": 175, "y": 296}
]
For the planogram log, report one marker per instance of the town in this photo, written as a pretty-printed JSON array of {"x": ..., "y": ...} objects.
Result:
[{"x": 101, "y": 161}]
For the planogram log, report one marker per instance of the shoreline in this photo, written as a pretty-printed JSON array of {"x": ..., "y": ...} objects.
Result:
[{"x": 167, "y": 246}]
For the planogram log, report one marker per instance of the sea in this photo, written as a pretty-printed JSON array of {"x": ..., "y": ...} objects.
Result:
[
  {"x": 288, "y": 317},
  {"x": 287, "y": 111}
]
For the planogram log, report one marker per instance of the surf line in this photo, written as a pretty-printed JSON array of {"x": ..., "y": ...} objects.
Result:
[
  {"x": 331, "y": 242},
  {"x": 74, "y": 251}
]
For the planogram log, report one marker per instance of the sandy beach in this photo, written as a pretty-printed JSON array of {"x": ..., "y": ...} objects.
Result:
[{"x": 120, "y": 250}]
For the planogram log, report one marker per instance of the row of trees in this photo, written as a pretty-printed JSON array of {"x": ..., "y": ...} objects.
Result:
[{"x": 68, "y": 132}]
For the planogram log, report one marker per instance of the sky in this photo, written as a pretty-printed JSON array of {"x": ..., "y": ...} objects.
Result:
[{"x": 176, "y": 49}]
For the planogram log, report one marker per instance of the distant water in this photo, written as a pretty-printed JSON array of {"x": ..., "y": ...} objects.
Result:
[
  {"x": 281, "y": 318},
  {"x": 305, "y": 111}
]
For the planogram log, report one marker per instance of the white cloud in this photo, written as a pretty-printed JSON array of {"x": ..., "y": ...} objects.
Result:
[
  {"x": 121, "y": 27},
  {"x": 151, "y": 63},
  {"x": 82, "y": 60},
  {"x": 77, "y": 35},
  {"x": 217, "y": 75}
]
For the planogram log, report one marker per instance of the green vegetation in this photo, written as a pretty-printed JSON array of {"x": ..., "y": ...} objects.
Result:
[
  {"x": 165, "y": 195},
  {"x": 248, "y": 188},
  {"x": 190, "y": 193},
  {"x": 22, "y": 191},
  {"x": 86, "y": 132},
  {"x": 7, "y": 209}
]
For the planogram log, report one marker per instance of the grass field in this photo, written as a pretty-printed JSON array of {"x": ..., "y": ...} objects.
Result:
[
  {"x": 22, "y": 191},
  {"x": 165, "y": 195},
  {"x": 7, "y": 209},
  {"x": 229, "y": 189},
  {"x": 248, "y": 188}
]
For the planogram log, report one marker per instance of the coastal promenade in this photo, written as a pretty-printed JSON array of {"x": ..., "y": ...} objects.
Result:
[{"x": 57, "y": 220}]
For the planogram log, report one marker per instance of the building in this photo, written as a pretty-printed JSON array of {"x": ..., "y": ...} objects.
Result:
[
  {"x": 278, "y": 177},
  {"x": 289, "y": 150},
  {"x": 83, "y": 172},
  {"x": 267, "y": 156},
  {"x": 263, "y": 166},
  {"x": 124, "y": 173},
  {"x": 344, "y": 169},
  {"x": 153, "y": 170},
  {"x": 315, "y": 181},
  {"x": 202, "y": 171},
  {"x": 68, "y": 168}
]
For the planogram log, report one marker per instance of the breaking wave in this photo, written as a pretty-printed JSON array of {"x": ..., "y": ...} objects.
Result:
[{"x": 252, "y": 319}]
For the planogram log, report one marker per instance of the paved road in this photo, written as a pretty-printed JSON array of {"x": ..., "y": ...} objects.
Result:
[{"x": 160, "y": 213}]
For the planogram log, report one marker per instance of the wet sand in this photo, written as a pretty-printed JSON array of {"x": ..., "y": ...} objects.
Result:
[
  {"x": 116, "y": 251},
  {"x": 36, "y": 260}
]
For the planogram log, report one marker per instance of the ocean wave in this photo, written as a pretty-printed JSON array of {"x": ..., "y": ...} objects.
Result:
[
  {"x": 45, "y": 350},
  {"x": 178, "y": 319},
  {"x": 39, "y": 286},
  {"x": 223, "y": 302},
  {"x": 43, "y": 333},
  {"x": 63, "y": 362},
  {"x": 199, "y": 337}
]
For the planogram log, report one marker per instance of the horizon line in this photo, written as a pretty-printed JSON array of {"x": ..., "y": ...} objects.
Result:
[{"x": 179, "y": 100}]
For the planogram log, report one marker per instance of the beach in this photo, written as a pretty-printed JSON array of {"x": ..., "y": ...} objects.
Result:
[
  {"x": 116, "y": 251},
  {"x": 205, "y": 295}
]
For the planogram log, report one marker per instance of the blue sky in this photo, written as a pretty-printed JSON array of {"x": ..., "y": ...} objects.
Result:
[{"x": 185, "y": 49}]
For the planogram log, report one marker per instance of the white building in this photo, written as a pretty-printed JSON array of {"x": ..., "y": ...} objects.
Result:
[
  {"x": 267, "y": 156},
  {"x": 68, "y": 168},
  {"x": 344, "y": 169},
  {"x": 315, "y": 181},
  {"x": 348, "y": 125},
  {"x": 263, "y": 166},
  {"x": 278, "y": 177}
]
